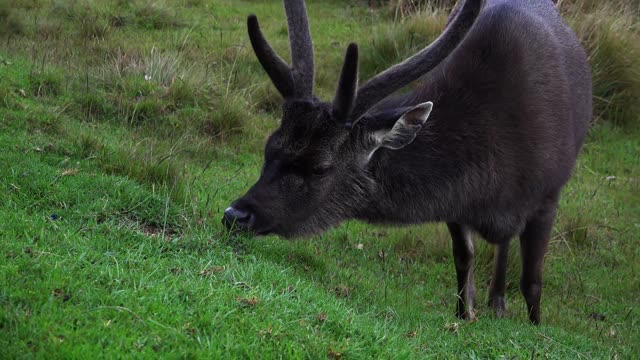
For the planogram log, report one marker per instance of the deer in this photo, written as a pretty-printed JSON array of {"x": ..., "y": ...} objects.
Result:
[{"x": 485, "y": 139}]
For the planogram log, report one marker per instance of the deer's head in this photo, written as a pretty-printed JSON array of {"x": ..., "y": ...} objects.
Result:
[{"x": 316, "y": 169}]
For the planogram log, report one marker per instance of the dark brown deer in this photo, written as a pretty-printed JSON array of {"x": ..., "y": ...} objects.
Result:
[{"x": 485, "y": 144}]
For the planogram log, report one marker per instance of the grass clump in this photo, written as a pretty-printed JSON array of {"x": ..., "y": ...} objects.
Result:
[
  {"x": 405, "y": 8},
  {"x": 93, "y": 105},
  {"x": 46, "y": 83},
  {"x": 95, "y": 28},
  {"x": 225, "y": 119},
  {"x": 136, "y": 94},
  {"x": 394, "y": 43},
  {"x": 144, "y": 164},
  {"x": 193, "y": 3},
  {"x": 10, "y": 21},
  {"x": 7, "y": 96},
  {"x": 146, "y": 89},
  {"x": 629, "y": 7},
  {"x": 266, "y": 98},
  {"x": 142, "y": 111},
  {"x": 612, "y": 42},
  {"x": 182, "y": 93},
  {"x": 154, "y": 15},
  {"x": 87, "y": 18},
  {"x": 49, "y": 30},
  {"x": 161, "y": 67}
]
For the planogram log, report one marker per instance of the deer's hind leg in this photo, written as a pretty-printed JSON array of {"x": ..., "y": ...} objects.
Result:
[{"x": 533, "y": 246}]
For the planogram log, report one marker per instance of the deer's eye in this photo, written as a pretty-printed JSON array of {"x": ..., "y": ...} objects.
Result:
[{"x": 321, "y": 170}]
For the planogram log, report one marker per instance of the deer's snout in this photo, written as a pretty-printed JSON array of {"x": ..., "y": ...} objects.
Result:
[{"x": 239, "y": 218}]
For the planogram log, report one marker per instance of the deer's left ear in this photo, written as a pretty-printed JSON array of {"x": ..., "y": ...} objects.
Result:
[{"x": 405, "y": 129}]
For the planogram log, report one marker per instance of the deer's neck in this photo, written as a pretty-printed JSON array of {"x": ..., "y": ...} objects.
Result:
[{"x": 415, "y": 184}]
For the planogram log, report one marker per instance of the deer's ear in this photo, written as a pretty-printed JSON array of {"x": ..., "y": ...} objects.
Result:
[{"x": 405, "y": 129}]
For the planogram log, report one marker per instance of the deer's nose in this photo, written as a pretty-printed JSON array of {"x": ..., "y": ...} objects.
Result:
[{"x": 236, "y": 217}]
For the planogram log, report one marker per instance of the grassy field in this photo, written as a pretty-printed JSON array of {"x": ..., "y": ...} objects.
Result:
[{"x": 127, "y": 127}]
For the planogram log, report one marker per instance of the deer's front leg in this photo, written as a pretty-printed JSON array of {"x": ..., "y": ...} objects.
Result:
[
  {"x": 498, "y": 282},
  {"x": 463, "y": 259}
]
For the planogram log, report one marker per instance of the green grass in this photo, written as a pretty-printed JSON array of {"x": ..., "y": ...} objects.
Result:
[{"x": 112, "y": 186}]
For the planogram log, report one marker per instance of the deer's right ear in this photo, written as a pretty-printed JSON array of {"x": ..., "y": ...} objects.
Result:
[
  {"x": 398, "y": 127},
  {"x": 405, "y": 129}
]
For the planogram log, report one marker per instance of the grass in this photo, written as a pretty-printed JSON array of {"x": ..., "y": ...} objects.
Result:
[
  {"x": 611, "y": 35},
  {"x": 121, "y": 148}
]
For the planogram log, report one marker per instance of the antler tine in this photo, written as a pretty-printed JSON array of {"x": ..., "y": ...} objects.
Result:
[
  {"x": 301, "y": 47},
  {"x": 400, "y": 75},
  {"x": 275, "y": 67},
  {"x": 347, "y": 86}
]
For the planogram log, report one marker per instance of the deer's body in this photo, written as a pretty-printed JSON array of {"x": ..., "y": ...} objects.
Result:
[
  {"x": 510, "y": 89},
  {"x": 512, "y": 105}
]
